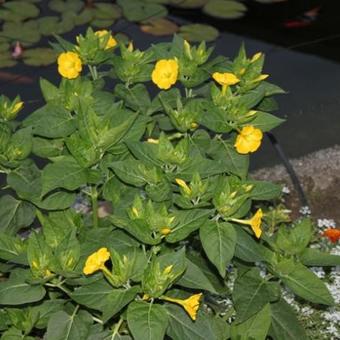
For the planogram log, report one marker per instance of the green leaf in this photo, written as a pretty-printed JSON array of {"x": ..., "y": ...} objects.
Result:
[
  {"x": 225, "y": 9},
  {"x": 57, "y": 201},
  {"x": 218, "y": 241},
  {"x": 22, "y": 8},
  {"x": 51, "y": 121},
  {"x": 136, "y": 97},
  {"x": 182, "y": 327},
  {"x": 48, "y": 25},
  {"x": 46, "y": 309},
  {"x": 250, "y": 295},
  {"x": 65, "y": 5},
  {"x": 209, "y": 271},
  {"x": 294, "y": 240},
  {"x": 195, "y": 278},
  {"x": 17, "y": 292},
  {"x": 285, "y": 324},
  {"x": 315, "y": 257},
  {"x": 135, "y": 10},
  {"x": 147, "y": 320},
  {"x": 233, "y": 162},
  {"x": 10, "y": 247},
  {"x": 187, "y": 221},
  {"x": 265, "y": 190},
  {"x": 303, "y": 282},
  {"x": 26, "y": 181},
  {"x": 247, "y": 249},
  {"x": 63, "y": 326},
  {"x": 40, "y": 56},
  {"x": 101, "y": 296},
  {"x": 15, "y": 214},
  {"x": 64, "y": 173},
  {"x": 198, "y": 32},
  {"x": 255, "y": 328},
  {"x": 266, "y": 121}
]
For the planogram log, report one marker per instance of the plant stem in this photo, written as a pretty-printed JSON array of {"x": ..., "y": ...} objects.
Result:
[
  {"x": 93, "y": 71},
  {"x": 116, "y": 329},
  {"x": 94, "y": 198}
]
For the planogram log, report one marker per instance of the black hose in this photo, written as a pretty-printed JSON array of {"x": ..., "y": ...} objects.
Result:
[{"x": 292, "y": 174}]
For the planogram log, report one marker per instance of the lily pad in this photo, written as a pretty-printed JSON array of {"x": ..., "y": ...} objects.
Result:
[
  {"x": 66, "y": 6},
  {"x": 198, "y": 32},
  {"x": 225, "y": 9},
  {"x": 27, "y": 33},
  {"x": 101, "y": 23},
  {"x": 48, "y": 25},
  {"x": 135, "y": 10},
  {"x": 188, "y": 3},
  {"x": 6, "y": 60},
  {"x": 23, "y": 9},
  {"x": 105, "y": 11},
  {"x": 4, "y": 46},
  {"x": 84, "y": 17},
  {"x": 39, "y": 56},
  {"x": 159, "y": 27}
]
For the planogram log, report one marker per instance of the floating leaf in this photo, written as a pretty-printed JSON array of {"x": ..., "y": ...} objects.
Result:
[
  {"x": 27, "y": 33},
  {"x": 188, "y": 3},
  {"x": 102, "y": 23},
  {"x": 107, "y": 11},
  {"x": 225, "y": 9},
  {"x": 159, "y": 27},
  {"x": 20, "y": 9},
  {"x": 66, "y": 6},
  {"x": 135, "y": 10},
  {"x": 39, "y": 56},
  {"x": 48, "y": 25},
  {"x": 6, "y": 60},
  {"x": 198, "y": 32},
  {"x": 84, "y": 17}
]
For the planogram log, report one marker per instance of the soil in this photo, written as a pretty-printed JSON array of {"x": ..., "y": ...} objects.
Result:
[{"x": 319, "y": 174}]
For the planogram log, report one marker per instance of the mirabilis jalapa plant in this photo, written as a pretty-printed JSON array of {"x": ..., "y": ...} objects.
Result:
[{"x": 185, "y": 218}]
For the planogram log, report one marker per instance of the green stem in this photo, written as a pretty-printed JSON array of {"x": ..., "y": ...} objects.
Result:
[
  {"x": 116, "y": 329},
  {"x": 94, "y": 198},
  {"x": 93, "y": 71},
  {"x": 108, "y": 275}
]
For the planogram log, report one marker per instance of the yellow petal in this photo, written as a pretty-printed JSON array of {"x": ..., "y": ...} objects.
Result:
[
  {"x": 96, "y": 261},
  {"x": 256, "y": 56},
  {"x": 226, "y": 78}
]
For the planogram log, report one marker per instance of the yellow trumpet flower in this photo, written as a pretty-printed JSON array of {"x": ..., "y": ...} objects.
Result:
[
  {"x": 248, "y": 140},
  {"x": 96, "y": 261},
  {"x": 254, "y": 222},
  {"x": 225, "y": 80},
  {"x": 191, "y": 304},
  {"x": 184, "y": 186}
]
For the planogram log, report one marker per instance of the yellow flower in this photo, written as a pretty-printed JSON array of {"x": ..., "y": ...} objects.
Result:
[
  {"x": 167, "y": 270},
  {"x": 256, "y": 56},
  {"x": 254, "y": 222},
  {"x": 165, "y": 73},
  {"x": 165, "y": 231},
  {"x": 225, "y": 78},
  {"x": 153, "y": 141},
  {"x": 112, "y": 42},
  {"x": 69, "y": 65},
  {"x": 183, "y": 185},
  {"x": 17, "y": 107},
  {"x": 190, "y": 305},
  {"x": 261, "y": 77},
  {"x": 248, "y": 140},
  {"x": 96, "y": 261}
]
